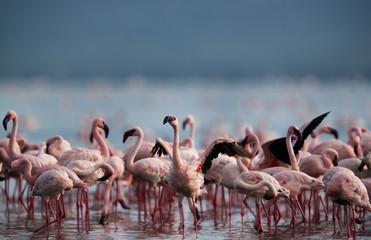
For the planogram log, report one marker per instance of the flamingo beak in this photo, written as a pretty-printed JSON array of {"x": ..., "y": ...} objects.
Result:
[
  {"x": 334, "y": 132},
  {"x": 298, "y": 134},
  {"x": 106, "y": 129},
  {"x": 128, "y": 134},
  {"x": 91, "y": 137},
  {"x": 185, "y": 123},
  {"x": 168, "y": 119},
  {"x": 5, "y": 121}
]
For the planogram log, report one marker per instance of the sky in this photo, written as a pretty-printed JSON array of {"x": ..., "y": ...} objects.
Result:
[{"x": 184, "y": 39}]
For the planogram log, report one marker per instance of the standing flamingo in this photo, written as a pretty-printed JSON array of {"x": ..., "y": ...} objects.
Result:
[
  {"x": 51, "y": 184},
  {"x": 316, "y": 165},
  {"x": 93, "y": 155},
  {"x": 150, "y": 170},
  {"x": 261, "y": 186},
  {"x": 324, "y": 129},
  {"x": 232, "y": 170},
  {"x": 186, "y": 178},
  {"x": 346, "y": 188}
]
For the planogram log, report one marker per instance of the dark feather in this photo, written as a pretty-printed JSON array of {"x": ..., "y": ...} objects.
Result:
[
  {"x": 225, "y": 146},
  {"x": 307, "y": 130},
  {"x": 5, "y": 121},
  {"x": 159, "y": 149},
  {"x": 278, "y": 146}
]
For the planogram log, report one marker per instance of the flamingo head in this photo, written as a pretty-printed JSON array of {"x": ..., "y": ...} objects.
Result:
[
  {"x": 128, "y": 133},
  {"x": 169, "y": 119},
  {"x": 334, "y": 132},
  {"x": 9, "y": 116},
  {"x": 188, "y": 120}
]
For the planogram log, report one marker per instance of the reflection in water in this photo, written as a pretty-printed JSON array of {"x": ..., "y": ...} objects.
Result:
[{"x": 126, "y": 225}]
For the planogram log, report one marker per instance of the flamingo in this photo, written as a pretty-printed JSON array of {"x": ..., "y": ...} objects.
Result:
[
  {"x": 292, "y": 179},
  {"x": 37, "y": 162},
  {"x": 118, "y": 165},
  {"x": 57, "y": 145},
  {"x": 150, "y": 169},
  {"x": 344, "y": 150},
  {"x": 51, "y": 184},
  {"x": 261, "y": 186},
  {"x": 355, "y": 141},
  {"x": 346, "y": 188},
  {"x": 232, "y": 170},
  {"x": 186, "y": 178},
  {"x": 276, "y": 152},
  {"x": 93, "y": 155},
  {"x": 316, "y": 165},
  {"x": 324, "y": 129},
  {"x": 357, "y": 165}
]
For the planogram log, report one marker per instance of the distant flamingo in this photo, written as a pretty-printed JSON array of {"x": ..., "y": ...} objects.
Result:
[
  {"x": 361, "y": 167},
  {"x": 346, "y": 188},
  {"x": 187, "y": 178}
]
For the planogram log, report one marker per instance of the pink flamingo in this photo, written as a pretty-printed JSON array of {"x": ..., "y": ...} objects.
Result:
[
  {"x": 316, "y": 165},
  {"x": 150, "y": 170},
  {"x": 37, "y": 162},
  {"x": 346, "y": 188},
  {"x": 118, "y": 165},
  {"x": 260, "y": 186},
  {"x": 186, "y": 178},
  {"x": 57, "y": 145},
  {"x": 232, "y": 170},
  {"x": 276, "y": 152},
  {"x": 51, "y": 184},
  {"x": 315, "y": 136},
  {"x": 357, "y": 165},
  {"x": 93, "y": 155}
]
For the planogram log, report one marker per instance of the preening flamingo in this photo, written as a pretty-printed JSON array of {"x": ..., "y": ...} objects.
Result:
[
  {"x": 315, "y": 136},
  {"x": 57, "y": 145},
  {"x": 261, "y": 186},
  {"x": 361, "y": 167},
  {"x": 316, "y": 165},
  {"x": 186, "y": 178},
  {"x": 51, "y": 184}
]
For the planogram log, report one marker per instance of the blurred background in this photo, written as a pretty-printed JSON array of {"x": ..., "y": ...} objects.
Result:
[{"x": 231, "y": 64}]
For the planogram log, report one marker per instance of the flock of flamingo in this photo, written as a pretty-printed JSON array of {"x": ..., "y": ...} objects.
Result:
[{"x": 277, "y": 174}]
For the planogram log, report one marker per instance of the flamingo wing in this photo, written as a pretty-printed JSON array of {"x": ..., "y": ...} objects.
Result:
[{"x": 221, "y": 145}]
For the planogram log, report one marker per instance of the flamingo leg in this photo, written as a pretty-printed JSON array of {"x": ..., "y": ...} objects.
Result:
[{"x": 195, "y": 216}]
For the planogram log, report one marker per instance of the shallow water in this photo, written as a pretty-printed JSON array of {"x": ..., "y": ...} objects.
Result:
[{"x": 126, "y": 224}]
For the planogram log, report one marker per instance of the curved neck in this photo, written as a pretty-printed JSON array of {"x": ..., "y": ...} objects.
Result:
[
  {"x": 129, "y": 164},
  {"x": 272, "y": 190},
  {"x": 14, "y": 154},
  {"x": 101, "y": 142},
  {"x": 327, "y": 157},
  {"x": 290, "y": 150},
  {"x": 27, "y": 171},
  {"x": 243, "y": 164}
]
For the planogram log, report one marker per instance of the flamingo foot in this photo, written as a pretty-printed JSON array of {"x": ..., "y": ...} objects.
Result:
[
  {"x": 123, "y": 204},
  {"x": 104, "y": 220}
]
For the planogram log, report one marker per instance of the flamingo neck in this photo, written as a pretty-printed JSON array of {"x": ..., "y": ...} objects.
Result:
[
  {"x": 327, "y": 158},
  {"x": 101, "y": 142},
  {"x": 192, "y": 135},
  {"x": 14, "y": 154},
  {"x": 27, "y": 172},
  {"x": 290, "y": 150},
  {"x": 243, "y": 164},
  {"x": 131, "y": 155},
  {"x": 176, "y": 155}
]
